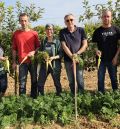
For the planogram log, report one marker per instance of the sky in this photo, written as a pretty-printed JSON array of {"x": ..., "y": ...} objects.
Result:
[{"x": 55, "y": 10}]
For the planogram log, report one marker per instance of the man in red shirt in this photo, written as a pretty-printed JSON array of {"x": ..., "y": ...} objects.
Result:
[{"x": 25, "y": 43}]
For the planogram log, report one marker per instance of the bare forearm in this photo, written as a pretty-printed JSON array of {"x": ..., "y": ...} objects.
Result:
[
  {"x": 66, "y": 49},
  {"x": 83, "y": 48},
  {"x": 118, "y": 50},
  {"x": 14, "y": 54},
  {"x": 55, "y": 57}
]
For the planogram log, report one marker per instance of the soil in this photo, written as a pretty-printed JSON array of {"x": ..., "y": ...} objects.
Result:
[{"x": 90, "y": 79}]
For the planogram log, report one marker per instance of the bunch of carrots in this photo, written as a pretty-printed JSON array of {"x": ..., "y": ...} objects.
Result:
[
  {"x": 6, "y": 64},
  {"x": 43, "y": 57},
  {"x": 79, "y": 60}
]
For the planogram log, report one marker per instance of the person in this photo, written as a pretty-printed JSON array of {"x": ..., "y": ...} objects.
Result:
[
  {"x": 3, "y": 74},
  {"x": 25, "y": 43},
  {"x": 74, "y": 42},
  {"x": 106, "y": 38},
  {"x": 52, "y": 46}
]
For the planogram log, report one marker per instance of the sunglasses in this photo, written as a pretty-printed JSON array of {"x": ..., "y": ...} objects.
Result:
[{"x": 69, "y": 20}]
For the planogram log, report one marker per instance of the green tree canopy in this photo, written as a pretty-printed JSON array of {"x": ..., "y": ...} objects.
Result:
[{"x": 95, "y": 11}]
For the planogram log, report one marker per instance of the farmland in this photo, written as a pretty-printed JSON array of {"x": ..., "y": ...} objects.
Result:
[
  {"x": 107, "y": 119},
  {"x": 90, "y": 78}
]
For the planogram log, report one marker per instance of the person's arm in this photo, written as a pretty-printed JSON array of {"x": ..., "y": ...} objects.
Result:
[
  {"x": 54, "y": 57},
  {"x": 37, "y": 45},
  {"x": 95, "y": 41},
  {"x": 2, "y": 58},
  {"x": 14, "y": 51},
  {"x": 14, "y": 55},
  {"x": 58, "y": 51},
  {"x": 97, "y": 51},
  {"x": 66, "y": 49},
  {"x": 63, "y": 44},
  {"x": 115, "y": 59},
  {"x": 83, "y": 41},
  {"x": 83, "y": 48}
]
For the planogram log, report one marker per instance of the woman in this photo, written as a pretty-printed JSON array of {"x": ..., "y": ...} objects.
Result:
[{"x": 53, "y": 48}]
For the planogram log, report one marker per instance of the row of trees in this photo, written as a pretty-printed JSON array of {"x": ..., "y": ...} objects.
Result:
[{"x": 9, "y": 22}]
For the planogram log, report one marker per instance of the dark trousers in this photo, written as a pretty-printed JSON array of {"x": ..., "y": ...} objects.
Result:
[
  {"x": 43, "y": 73},
  {"x": 3, "y": 83},
  {"x": 112, "y": 70},
  {"x": 23, "y": 72}
]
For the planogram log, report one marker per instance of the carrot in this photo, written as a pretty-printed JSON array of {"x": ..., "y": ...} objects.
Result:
[
  {"x": 24, "y": 60},
  {"x": 7, "y": 65},
  {"x": 99, "y": 61}
]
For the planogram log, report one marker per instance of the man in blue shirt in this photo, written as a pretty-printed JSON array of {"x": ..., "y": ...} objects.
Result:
[{"x": 74, "y": 43}]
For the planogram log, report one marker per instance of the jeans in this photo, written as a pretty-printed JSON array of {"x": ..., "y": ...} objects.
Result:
[
  {"x": 3, "y": 83},
  {"x": 112, "y": 70},
  {"x": 23, "y": 72},
  {"x": 70, "y": 75},
  {"x": 55, "y": 73}
]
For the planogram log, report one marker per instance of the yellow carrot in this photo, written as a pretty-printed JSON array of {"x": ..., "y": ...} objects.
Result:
[
  {"x": 49, "y": 62},
  {"x": 46, "y": 66},
  {"x": 24, "y": 60},
  {"x": 99, "y": 61},
  {"x": 7, "y": 65}
]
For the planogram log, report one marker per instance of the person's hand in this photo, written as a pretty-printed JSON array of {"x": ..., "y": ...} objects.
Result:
[
  {"x": 75, "y": 58},
  {"x": 47, "y": 59},
  {"x": 115, "y": 61},
  {"x": 3, "y": 58},
  {"x": 98, "y": 53},
  {"x": 30, "y": 54},
  {"x": 52, "y": 58}
]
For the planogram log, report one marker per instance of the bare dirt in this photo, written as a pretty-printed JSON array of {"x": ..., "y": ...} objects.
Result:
[{"x": 90, "y": 79}]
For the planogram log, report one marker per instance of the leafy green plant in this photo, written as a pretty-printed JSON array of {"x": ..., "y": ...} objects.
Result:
[{"x": 21, "y": 110}]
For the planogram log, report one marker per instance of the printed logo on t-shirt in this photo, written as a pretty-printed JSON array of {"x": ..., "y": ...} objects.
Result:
[{"x": 107, "y": 33}]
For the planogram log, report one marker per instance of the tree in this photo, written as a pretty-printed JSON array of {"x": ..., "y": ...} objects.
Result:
[
  {"x": 9, "y": 21},
  {"x": 91, "y": 13},
  {"x": 9, "y": 15}
]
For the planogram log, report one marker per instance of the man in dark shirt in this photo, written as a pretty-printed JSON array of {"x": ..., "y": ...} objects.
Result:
[
  {"x": 107, "y": 38},
  {"x": 74, "y": 42}
]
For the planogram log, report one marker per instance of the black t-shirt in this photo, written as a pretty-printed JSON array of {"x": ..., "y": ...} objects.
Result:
[
  {"x": 107, "y": 39},
  {"x": 73, "y": 40}
]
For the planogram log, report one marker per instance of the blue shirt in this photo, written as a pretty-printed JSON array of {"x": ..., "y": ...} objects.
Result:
[{"x": 73, "y": 40}]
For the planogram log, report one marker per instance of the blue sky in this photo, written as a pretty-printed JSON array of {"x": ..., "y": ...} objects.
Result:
[{"x": 55, "y": 10}]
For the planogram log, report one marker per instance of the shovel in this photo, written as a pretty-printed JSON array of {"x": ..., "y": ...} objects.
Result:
[
  {"x": 16, "y": 79},
  {"x": 74, "y": 71}
]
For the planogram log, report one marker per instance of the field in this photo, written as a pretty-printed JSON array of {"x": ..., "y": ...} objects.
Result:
[
  {"x": 83, "y": 122},
  {"x": 90, "y": 79}
]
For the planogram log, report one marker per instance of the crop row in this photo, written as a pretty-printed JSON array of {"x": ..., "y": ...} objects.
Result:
[{"x": 60, "y": 109}]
